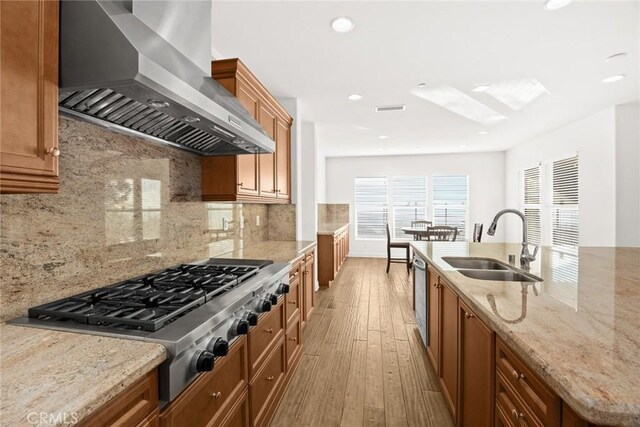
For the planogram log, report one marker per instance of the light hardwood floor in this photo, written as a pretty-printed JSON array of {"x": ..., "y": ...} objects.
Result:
[{"x": 363, "y": 363}]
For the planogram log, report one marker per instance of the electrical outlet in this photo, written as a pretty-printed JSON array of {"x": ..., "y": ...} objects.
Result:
[
  {"x": 225, "y": 224},
  {"x": 257, "y": 220}
]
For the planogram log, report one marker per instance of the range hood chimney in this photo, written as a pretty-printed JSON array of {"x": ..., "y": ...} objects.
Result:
[{"x": 117, "y": 72}]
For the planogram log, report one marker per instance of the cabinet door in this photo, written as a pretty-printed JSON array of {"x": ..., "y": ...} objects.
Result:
[
  {"x": 248, "y": 163},
  {"x": 476, "y": 370},
  {"x": 283, "y": 159},
  {"x": 29, "y": 101},
  {"x": 267, "y": 181},
  {"x": 449, "y": 347},
  {"x": 308, "y": 288},
  {"x": 433, "y": 314}
]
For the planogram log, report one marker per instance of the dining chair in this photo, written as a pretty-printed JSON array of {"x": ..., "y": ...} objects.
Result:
[
  {"x": 477, "y": 232},
  {"x": 420, "y": 223},
  {"x": 397, "y": 245},
  {"x": 442, "y": 233}
]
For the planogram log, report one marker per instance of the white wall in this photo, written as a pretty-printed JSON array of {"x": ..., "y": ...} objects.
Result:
[
  {"x": 486, "y": 184},
  {"x": 308, "y": 204},
  {"x": 593, "y": 138},
  {"x": 628, "y": 174}
]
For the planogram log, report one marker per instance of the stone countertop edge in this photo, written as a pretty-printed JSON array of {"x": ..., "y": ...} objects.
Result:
[
  {"x": 597, "y": 412},
  {"x": 26, "y": 390},
  {"x": 332, "y": 228}
]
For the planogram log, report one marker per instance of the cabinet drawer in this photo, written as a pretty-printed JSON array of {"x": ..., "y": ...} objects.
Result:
[
  {"x": 293, "y": 340},
  {"x": 512, "y": 408},
  {"x": 239, "y": 414},
  {"x": 539, "y": 398},
  {"x": 292, "y": 301},
  {"x": 131, "y": 407},
  {"x": 153, "y": 420},
  {"x": 264, "y": 386},
  {"x": 208, "y": 400},
  {"x": 270, "y": 328},
  {"x": 296, "y": 265}
]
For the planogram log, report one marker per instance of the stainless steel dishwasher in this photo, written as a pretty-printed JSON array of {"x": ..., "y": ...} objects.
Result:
[{"x": 420, "y": 280}]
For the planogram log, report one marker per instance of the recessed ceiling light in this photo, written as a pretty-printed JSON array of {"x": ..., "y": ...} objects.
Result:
[
  {"x": 556, "y": 4},
  {"x": 342, "y": 24},
  {"x": 483, "y": 132},
  {"x": 481, "y": 88},
  {"x": 614, "y": 78},
  {"x": 615, "y": 56},
  {"x": 383, "y": 108},
  {"x": 383, "y": 137},
  {"x": 354, "y": 97}
]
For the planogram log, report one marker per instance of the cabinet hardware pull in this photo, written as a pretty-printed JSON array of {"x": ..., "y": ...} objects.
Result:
[
  {"x": 517, "y": 375},
  {"x": 469, "y": 315},
  {"x": 271, "y": 378},
  {"x": 216, "y": 395},
  {"x": 517, "y": 414},
  {"x": 292, "y": 339},
  {"x": 269, "y": 330},
  {"x": 53, "y": 151},
  {"x": 240, "y": 184},
  {"x": 293, "y": 302}
]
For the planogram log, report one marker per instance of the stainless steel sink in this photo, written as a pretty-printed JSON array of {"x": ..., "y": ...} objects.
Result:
[
  {"x": 489, "y": 269},
  {"x": 500, "y": 275},
  {"x": 476, "y": 263}
]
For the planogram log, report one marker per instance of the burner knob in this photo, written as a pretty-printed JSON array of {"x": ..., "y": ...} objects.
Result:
[
  {"x": 263, "y": 305},
  {"x": 218, "y": 347},
  {"x": 273, "y": 299},
  {"x": 242, "y": 327},
  {"x": 283, "y": 288},
  {"x": 251, "y": 317},
  {"x": 204, "y": 361}
]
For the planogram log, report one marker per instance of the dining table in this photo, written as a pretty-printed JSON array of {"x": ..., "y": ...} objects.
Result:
[{"x": 417, "y": 232}]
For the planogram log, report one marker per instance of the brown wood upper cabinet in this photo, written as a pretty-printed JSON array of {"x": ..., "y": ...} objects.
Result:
[
  {"x": 264, "y": 178},
  {"x": 29, "y": 102}
]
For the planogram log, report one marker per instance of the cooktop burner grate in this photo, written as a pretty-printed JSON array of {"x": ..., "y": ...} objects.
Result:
[{"x": 148, "y": 302}]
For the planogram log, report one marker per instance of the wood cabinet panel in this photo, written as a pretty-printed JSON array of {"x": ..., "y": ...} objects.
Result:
[
  {"x": 270, "y": 328},
  {"x": 433, "y": 315},
  {"x": 209, "y": 399},
  {"x": 308, "y": 283},
  {"x": 538, "y": 397},
  {"x": 29, "y": 101},
  {"x": 283, "y": 159},
  {"x": 514, "y": 411},
  {"x": 476, "y": 352},
  {"x": 293, "y": 341},
  {"x": 265, "y": 385},
  {"x": 449, "y": 347},
  {"x": 152, "y": 420},
  {"x": 267, "y": 173},
  {"x": 239, "y": 414},
  {"x": 292, "y": 301},
  {"x": 129, "y": 408},
  {"x": 332, "y": 252}
]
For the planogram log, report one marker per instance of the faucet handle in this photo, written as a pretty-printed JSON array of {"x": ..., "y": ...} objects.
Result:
[{"x": 535, "y": 251}]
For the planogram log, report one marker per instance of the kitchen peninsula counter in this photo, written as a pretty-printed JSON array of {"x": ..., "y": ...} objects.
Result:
[{"x": 579, "y": 329}]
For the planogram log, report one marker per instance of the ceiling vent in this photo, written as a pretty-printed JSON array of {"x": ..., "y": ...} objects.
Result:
[{"x": 384, "y": 108}]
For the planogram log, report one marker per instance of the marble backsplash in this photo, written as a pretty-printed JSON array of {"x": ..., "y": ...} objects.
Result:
[
  {"x": 332, "y": 213},
  {"x": 282, "y": 222},
  {"x": 126, "y": 207}
]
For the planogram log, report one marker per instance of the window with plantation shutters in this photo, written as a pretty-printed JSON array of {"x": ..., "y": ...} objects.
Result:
[
  {"x": 371, "y": 207},
  {"x": 564, "y": 209},
  {"x": 409, "y": 202},
  {"x": 531, "y": 200},
  {"x": 450, "y": 200}
]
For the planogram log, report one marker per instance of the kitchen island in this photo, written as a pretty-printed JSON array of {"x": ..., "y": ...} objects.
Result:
[{"x": 578, "y": 329}]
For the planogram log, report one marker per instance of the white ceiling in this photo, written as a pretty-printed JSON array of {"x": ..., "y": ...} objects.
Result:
[{"x": 396, "y": 45}]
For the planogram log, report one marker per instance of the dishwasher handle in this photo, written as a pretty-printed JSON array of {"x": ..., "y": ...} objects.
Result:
[{"x": 419, "y": 264}]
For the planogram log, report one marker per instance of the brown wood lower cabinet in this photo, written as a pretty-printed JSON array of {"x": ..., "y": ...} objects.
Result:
[
  {"x": 308, "y": 284},
  {"x": 262, "y": 337},
  {"x": 239, "y": 414},
  {"x": 209, "y": 400},
  {"x": 332, "y": 252},
  {"x": 483, "y": 381},
  {"x": 266, "y": 385},
  {"x": 476, "y": 347},
  {"x": 133, "y": 407},
  {"x": 448, "y": 372}
]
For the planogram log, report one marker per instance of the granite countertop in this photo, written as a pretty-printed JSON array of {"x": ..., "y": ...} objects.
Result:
[
  {"x": 51, "y": 372},
  {"x": 330, "y": 228},
  {"x": 579, "y": 329},
  {"x": 276, "y": 250}
]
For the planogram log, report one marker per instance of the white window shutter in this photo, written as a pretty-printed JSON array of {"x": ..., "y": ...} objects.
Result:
[
  {"x": 450, "y": 200},
  {"x": 371, "y": 207}
]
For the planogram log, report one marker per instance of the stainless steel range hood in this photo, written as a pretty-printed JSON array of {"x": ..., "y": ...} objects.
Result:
[{"x": 117, "y": 72}]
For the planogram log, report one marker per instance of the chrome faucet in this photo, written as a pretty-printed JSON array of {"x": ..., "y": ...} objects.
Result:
[{"x": 525, "y": 256}]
